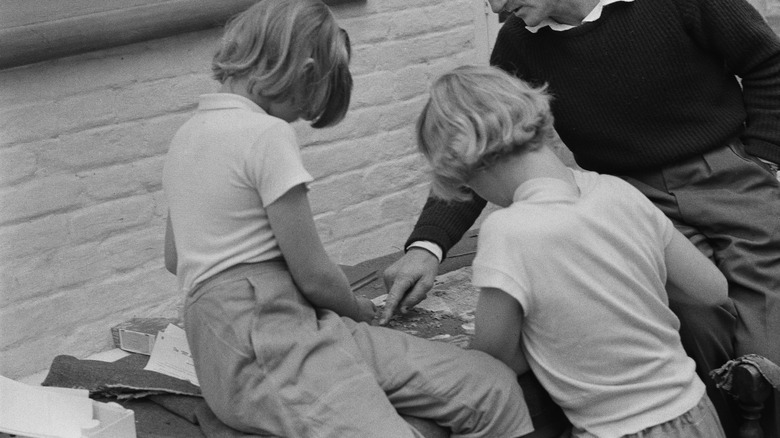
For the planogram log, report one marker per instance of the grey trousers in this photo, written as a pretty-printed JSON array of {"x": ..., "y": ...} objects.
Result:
[{"x": 728, "y": 204}]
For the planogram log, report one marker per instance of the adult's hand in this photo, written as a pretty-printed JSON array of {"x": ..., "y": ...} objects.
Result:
[{"x": 408, "y": 280}]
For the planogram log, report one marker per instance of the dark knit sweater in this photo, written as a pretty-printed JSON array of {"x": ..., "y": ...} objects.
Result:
[{"x": 648, "y": 84}]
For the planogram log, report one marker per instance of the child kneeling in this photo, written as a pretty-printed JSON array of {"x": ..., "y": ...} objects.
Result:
[{"x": 573, "y": 269}]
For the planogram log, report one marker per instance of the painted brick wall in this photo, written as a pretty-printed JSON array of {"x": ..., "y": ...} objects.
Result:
[{"x": 82, "y": 143}]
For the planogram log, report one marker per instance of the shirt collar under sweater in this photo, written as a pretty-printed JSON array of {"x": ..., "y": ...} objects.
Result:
[
  {"x": 547, "y": 190},
  {"x": 594, "y": 15}
]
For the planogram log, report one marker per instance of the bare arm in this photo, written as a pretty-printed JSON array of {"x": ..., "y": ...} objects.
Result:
[
  {"x": 320, "y": 280},
  {"x": 171, "y": 257},
  {"x": 499, "y": 319},
  {"x": 692, "y": 275}
]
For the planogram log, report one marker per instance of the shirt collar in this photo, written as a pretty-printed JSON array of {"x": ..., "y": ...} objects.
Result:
[
  {"x": 594, "y": 15},
  {"x": 546, "y": 190},
  {"x": 216, "y": 101}
]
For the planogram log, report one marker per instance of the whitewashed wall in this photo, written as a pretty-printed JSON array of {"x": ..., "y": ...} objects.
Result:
[{"x": 82, "y": 143}]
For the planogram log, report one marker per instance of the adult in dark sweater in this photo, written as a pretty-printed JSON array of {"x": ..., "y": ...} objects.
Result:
[{"x": 681, "y": 98}]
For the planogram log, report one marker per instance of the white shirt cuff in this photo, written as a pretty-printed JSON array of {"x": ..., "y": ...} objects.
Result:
[{"x": 428, "y": 246}]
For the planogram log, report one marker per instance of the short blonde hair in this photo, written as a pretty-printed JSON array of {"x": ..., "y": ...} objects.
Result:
[
  {"x": 290, "y": 50},
  {"x": 475, "y": 116}
]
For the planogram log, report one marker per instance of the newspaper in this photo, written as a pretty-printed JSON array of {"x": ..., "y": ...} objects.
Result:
[{"x": 171, "y": 355}]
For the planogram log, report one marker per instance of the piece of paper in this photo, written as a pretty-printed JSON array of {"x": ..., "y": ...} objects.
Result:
[
  {"x": 171, "y": 355},
  {"x": 380, "y": 300},
  {"x": 41, "y": 412}
]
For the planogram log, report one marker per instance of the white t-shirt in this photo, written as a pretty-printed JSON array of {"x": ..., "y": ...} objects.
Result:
[
  {"x": 224, "y": 165},
  {"x": 588, "y": 269}
]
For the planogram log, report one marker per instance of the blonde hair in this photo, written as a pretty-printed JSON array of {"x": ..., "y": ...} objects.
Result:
[
  {"x": 476, "y": 115},
  {"x": 290, "y": 50}
]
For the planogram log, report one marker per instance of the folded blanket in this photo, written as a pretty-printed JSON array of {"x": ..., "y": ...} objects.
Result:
[{"x": 122, "y": 379}]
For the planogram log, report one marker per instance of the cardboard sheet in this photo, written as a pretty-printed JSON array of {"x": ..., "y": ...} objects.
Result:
[{"x": 42, "y": 412}]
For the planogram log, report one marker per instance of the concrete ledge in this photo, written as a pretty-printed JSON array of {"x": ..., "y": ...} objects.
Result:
[{"x": 26, "y": 40}]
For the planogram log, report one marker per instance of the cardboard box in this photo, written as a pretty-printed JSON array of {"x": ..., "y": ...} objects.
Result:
[
  {"x": 110, "y": 420},
  {"x": 54, "y": 412},
  {"x": 138, "y": 334}
]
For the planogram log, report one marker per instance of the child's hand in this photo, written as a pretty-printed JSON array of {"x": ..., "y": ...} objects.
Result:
[{"x": 366, "y": 310}]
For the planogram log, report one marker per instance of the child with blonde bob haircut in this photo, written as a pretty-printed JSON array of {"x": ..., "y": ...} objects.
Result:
[
  {"x": 461, "y": 133},
  {"x": 288, "y": 53},
  {"x": 573, "y": 269},
  {"x": 280, "y": 343}
]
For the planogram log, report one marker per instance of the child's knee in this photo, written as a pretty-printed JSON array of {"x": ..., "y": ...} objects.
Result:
[
  {"x": 495, "y": 379},
  {"x": 499, "y": 393}
]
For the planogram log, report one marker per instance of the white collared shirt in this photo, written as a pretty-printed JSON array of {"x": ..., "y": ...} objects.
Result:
[{"x": 594, "y": 15}]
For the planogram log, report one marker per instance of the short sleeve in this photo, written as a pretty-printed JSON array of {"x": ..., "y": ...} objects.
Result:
[
  {"x": 278, "y": 166},
  {"x": 666, "y": 227},
  {"x": 498, "y": 263}
]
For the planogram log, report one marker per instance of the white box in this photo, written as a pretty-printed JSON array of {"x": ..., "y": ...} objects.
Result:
[
  {"x": 54, "y": 412},
  {"x": 111, "y": 420}
]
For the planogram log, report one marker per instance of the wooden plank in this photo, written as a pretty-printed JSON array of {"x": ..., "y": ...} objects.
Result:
[{"x": 30, "y": 34}]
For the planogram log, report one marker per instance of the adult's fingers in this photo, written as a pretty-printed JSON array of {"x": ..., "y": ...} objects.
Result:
[
  {"x": 396, "y": 293},
  {"x": 417, "y": 294}
]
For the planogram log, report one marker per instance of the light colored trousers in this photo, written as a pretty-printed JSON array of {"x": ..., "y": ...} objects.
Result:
[
  {"x": 699, "y": 422},
  {"x": 270, "y": 364}
]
